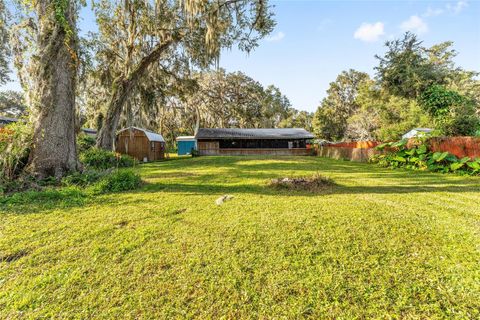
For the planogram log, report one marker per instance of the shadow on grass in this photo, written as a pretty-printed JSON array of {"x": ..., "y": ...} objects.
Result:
[
  {"x": 214, "y": 189},
  {"x": 232, "y": 174}
]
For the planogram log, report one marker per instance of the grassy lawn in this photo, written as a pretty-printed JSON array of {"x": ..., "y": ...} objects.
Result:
[{"x": 382, "y": 244}]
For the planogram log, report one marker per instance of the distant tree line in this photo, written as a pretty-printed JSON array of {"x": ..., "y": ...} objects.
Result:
[
  {"x": 212, "y": 98},
  {"x": 414, "y": 86}
]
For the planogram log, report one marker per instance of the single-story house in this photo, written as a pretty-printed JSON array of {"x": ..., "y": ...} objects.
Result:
[
  {"x": 142, "y": 144},
  {"x": 291, "y": 141},
  {"x": 416, "y": 132},
  {"x": 6, "y": 120},
  {"x": 185, "y": 145}
]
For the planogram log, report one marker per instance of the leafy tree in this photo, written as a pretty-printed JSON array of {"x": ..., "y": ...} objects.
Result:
[
  {"x": 437, "y": 100},
  {"x": 297, "y": 119},
  {"x": 137, "y": 37},
  {"x": 275, "y": 108},
  {"x": 330, "y": 119},
  {"x": 466, "y": 83},
  {"x": 454, "y": 114},
  {"x": 407, "y": 68},
  {"x": 382, "y": 116}
]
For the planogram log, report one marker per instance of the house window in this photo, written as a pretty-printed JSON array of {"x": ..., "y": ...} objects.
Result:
[{"x": 152, "y": 146}]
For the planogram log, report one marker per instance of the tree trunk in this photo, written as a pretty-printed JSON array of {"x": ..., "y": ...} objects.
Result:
[
  {"x": 106, "y": 135},
  {"x": 54, "y": 151},
  {"x": 121, "y": 92}
]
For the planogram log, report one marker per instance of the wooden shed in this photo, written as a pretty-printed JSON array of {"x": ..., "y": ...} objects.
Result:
[
  {"x": 141, "y": 144},
  {"x": 287, "y": 141}
]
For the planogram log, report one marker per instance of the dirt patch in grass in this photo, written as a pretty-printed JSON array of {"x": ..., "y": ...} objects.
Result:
[{"x": 315, "y": 183}]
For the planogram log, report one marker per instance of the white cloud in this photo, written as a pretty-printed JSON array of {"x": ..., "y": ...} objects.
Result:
[
  {"x": 457, "y": 7},
  {"x": 276, "y": 37},
  {"x": 433, "y": 12},
  {"x": 369, "y": 32},
  {"x": 414, "y": 24}
]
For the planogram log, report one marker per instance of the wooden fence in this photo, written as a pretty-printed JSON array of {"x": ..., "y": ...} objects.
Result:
[
  {"x": 361, "y": 151},
  {"x": 353, "y": 151}
]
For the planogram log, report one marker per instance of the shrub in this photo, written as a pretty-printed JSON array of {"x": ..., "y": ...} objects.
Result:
[
  {"x": 65, "y": 197},
  {"x": 83, "y": 179},
  {"x": 102, "y": 159},
  {"x": 454, "y": 114},
  {"x": 119, "y": 180},
  {"x": 195, "y": 153},
  {"x": 125, "y": 161},
  {"x": 420, "y": 158},
  {"x": 84, "y": 142},
  {"x": 15, "y": 143}
]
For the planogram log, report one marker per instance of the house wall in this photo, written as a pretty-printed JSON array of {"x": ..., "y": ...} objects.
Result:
[
  {"x": 136, "y": 144},
  {"x": 211, "y": 148}
]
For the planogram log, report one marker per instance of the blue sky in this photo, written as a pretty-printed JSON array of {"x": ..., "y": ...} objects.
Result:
[{"x": 315, "y": 40}]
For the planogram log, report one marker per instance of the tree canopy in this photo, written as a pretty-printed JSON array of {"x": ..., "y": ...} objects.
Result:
[
  {"x": 168, "y": 38},
  {"x": 414, "y": 86}
]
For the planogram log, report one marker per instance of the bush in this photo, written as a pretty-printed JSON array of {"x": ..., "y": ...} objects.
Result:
[
  {"x": 101, "y": 159},
  {"x": 15, "y": 143},
  {"x": 420, "y": 158},
  {"x": 84, "y": 142},
  {"x": 462, "y": 122},
  {"x": 83, "y": 179},
  {"x": 195, "y": 153},
  {"x": 119, "y": 180},
  {"x": 48, "y": 197},
  {"x": 454, "y": 114}
]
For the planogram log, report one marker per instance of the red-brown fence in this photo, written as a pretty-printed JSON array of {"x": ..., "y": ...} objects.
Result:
[
  {"x": 459, "y": 146},
  {"x": 356, "y": 144},
  {"x": 361, "y": 151}
]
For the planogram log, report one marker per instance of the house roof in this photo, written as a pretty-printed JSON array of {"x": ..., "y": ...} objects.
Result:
[
  {"x": 88, "y": 130},
  {"x": 151, "y": 136},
  {"x": 284, "y": 133},
  {"x": 422, "y": 129},
  {"x": 7, "y": 120}
]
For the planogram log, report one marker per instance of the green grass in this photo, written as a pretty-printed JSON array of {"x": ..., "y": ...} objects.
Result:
[{"x": 381, "y": 244}]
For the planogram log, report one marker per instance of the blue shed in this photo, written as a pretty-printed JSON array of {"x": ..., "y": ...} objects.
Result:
[{"x": 185, "y": 144}]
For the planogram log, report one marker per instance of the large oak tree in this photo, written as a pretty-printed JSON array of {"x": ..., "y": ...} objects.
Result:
[
  {"x": 137, "y": 36},
  {"x": 54, "y": 147}
]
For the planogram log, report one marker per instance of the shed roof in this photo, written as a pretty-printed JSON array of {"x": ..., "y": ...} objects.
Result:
[
  {"x": 185, "y": 138},
  {"x": 151, "y": 136},
  {"x": 284, "y": 133}
]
